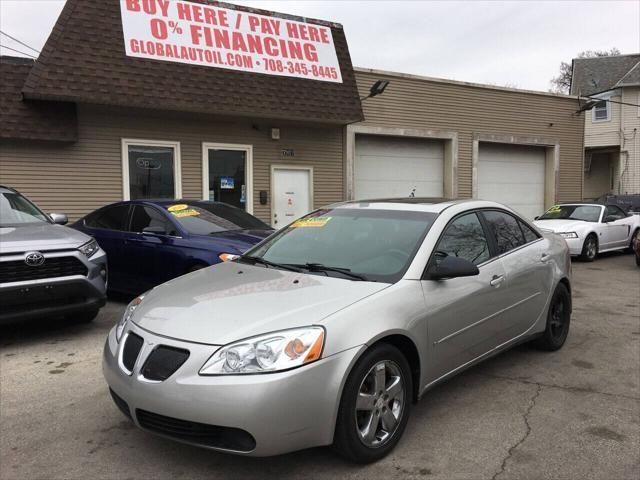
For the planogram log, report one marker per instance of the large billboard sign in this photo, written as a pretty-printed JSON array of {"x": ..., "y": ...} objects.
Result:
[{"x": 198, "y": 34}]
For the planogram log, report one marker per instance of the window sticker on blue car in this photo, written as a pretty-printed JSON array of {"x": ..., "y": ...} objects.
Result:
[
  {"x": 177, "y": 208},
  {"x": 186, "y": 213}
]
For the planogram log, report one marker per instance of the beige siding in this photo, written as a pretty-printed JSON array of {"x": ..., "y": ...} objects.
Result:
[
  {"x": 469, "y": 110},
  {"x": 630, "y": 142},
  {"x": 600, "y": 134},
  {"x": 78, "y": 178}
]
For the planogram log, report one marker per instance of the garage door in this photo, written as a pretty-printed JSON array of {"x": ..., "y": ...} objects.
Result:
[
  {"x": 396, "y": 167},
  {"x": 513, "y": 175}
]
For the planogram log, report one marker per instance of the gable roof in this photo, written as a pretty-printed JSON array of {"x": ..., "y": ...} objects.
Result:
[
  {"x": 599, "y": 74},
  {"x": 31, "y": 120},
  {"x": 84, "y": 60}
]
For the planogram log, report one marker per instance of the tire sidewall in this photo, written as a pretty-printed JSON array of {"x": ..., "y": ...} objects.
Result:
[
  {"x": 347, "y": 441},
  {"x": 553, "y": 342}
]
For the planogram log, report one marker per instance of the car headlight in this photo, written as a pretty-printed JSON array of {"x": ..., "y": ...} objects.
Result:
[
  {"x": 568, "y": 235},
  {"x": 227, "y": 257},
  {"x": 271, "y": 352},
  {"x": 89, "y": 248},
  {"x": 128, "y": 313}
]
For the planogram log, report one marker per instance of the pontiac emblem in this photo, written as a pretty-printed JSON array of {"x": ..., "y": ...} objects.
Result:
[{"x": 34, "y": 259}]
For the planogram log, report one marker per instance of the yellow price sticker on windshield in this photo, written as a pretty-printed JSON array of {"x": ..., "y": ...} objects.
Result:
[
  {"x": 177, "y": 208},
  {"x": 554, "y": 209},
  {"x": 186, "y": 213},
  {"x": 317, "y": 222}
]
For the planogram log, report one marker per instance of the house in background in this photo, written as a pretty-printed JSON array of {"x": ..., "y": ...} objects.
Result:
[{"x": 612, "y": 127}]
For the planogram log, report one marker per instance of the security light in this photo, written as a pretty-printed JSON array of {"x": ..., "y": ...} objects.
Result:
[{"x": 376, "y": 89}]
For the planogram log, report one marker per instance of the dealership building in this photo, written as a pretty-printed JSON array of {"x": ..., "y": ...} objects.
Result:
[{"x": 264, "y": 111}]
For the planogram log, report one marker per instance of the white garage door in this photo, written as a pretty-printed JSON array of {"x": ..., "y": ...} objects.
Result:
[
  {"x": 396, "y": 167},
  {"x": 513, "y": 175}
]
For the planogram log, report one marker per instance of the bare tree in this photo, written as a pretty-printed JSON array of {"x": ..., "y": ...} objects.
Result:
[{"x": 562, "y": 83}]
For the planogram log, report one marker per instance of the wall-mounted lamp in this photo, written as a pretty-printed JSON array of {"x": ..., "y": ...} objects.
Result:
[{"x": 376, "y": 89}]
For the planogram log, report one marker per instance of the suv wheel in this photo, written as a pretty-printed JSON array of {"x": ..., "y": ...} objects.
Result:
[{"x": 375, "y": 405}]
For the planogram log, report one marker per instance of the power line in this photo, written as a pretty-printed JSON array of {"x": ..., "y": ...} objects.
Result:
[
  {"x": 18, "y": 51},
  {"x": 596, "y": 99},
  {"x": 20, "y": 42}
]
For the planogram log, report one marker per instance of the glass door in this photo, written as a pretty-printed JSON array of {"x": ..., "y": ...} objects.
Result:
[{"x": 227, "y": 180}]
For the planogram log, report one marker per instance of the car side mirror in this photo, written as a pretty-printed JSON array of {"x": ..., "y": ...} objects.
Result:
[
  {"x": 157, "y": 230},
  {"x": 537, "y": 217},
  {"x": 452, "y": 267},
  {"x": 59, "y": 218}
]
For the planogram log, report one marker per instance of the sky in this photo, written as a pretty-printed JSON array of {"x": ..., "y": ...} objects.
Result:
[{"x": 514, "y": 43}]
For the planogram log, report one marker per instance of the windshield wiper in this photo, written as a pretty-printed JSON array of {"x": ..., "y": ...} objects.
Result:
[
  {"x": 318, "y": 267},
  {"x": 267, "y": 263}
]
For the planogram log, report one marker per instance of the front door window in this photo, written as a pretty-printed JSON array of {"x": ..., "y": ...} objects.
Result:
[
  {"x": 227, "y": 177},
  {"x": 151, "y": 171}
]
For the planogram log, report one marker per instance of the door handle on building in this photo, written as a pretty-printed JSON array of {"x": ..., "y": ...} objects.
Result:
[{"x": 497, "y": 280}]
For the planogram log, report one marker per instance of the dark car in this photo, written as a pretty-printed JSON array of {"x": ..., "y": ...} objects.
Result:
[
  {"x": 149, "y": 242},
  {"x": 628, "y": 203}
]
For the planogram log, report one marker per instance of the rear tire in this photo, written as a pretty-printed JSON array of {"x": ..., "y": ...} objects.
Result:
[
  {"x": 378, "y": 394},
  {"x": 589, "y": 248},
  {"x": 84, "y": 317},
  {"x": 558, "y": 321}
]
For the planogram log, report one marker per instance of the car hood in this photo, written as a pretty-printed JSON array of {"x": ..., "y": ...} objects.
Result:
[
  {"x": 236, "y": 240},
  {"x": 231, "y": 301},
  {"x": 560, "y": 225},
  {"x": 40, "y": 237}
]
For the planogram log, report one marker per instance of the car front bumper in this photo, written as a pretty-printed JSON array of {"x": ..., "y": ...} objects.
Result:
[
  {"x": 56, "y": 295},
  {"x": 575, "y": 245},
  {"x": 282, "y": 412}
]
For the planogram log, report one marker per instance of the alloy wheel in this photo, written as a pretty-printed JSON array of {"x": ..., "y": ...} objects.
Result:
[
  {"x": 591, "y": 248},
  {"x": 380, "y": 404}
]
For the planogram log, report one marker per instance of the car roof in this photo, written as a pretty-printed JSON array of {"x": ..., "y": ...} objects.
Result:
[
  {"x": 4, "y": 189},
  {"x": 571, "y": 204},
  {"x": 424, "y": 204}
]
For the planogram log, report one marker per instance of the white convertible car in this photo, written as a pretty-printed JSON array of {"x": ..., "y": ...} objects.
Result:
[{"x": 590, "y": 228}]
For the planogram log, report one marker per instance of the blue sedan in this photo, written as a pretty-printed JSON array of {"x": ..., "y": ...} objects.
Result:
[{"x": 149, "y": 242}]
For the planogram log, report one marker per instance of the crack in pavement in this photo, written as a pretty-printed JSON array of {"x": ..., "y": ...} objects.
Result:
[
  {"x": 561, "y": 387},
  {"x": 525, "y": 417}
]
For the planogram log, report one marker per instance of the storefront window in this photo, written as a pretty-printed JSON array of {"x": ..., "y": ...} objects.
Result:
[
  {"x": 151, "y": 171},
  {"x": 227, "y": 177}
]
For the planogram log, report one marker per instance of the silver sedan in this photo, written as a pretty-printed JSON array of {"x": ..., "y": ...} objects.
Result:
[{"x": 327, "y": 332}]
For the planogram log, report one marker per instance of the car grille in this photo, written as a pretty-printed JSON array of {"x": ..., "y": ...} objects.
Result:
[
  {"x": 120, "y": 403},
  {"x": 131, "y": 350},
  {"x": 227, "y": 438},
  {"x": 18, "y": 271},
  {"x": 163, "y": 362}
]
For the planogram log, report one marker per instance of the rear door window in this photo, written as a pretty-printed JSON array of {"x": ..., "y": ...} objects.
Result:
[
  {"x": 110, "y": 218},
  {"x": 506, "y": 230}
]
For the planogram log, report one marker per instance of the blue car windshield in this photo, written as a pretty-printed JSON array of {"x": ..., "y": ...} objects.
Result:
[
  {"x": 378, "y": 245},
  {"x": 211, "y": 218}
]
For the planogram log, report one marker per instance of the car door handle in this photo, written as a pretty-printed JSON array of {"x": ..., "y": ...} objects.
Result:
[
  {"x": 497, "y": 280},
  {"x": 545, "y": 257}
]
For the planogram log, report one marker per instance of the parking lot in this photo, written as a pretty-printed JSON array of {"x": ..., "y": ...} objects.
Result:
[{"x": 574, "y": 413}]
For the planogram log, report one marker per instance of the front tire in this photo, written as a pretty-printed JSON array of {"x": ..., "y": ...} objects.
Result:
[
  {"x": 375, "y": 405},
  {"x": 589, "y": 248},
  {"x": 558, "y": 321}
]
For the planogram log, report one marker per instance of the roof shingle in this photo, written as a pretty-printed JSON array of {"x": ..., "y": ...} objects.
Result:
[
  {"x": 31, "y": 120},
  {"x": 599, "y": 74},
  {"x": 84, "y": 60}
]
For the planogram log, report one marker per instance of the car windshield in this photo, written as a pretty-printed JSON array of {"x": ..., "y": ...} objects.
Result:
[
  {"x": 376, "y": 245},
  {"x": 586, "y": 213},
  {"x": 15, "y": 211},
  {"x": 211, "y": 218}
]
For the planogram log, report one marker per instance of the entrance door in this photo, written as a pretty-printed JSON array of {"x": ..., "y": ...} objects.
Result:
[
  {"x": 226, "y": 174},
  {"x": 291, "y": 194}
]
